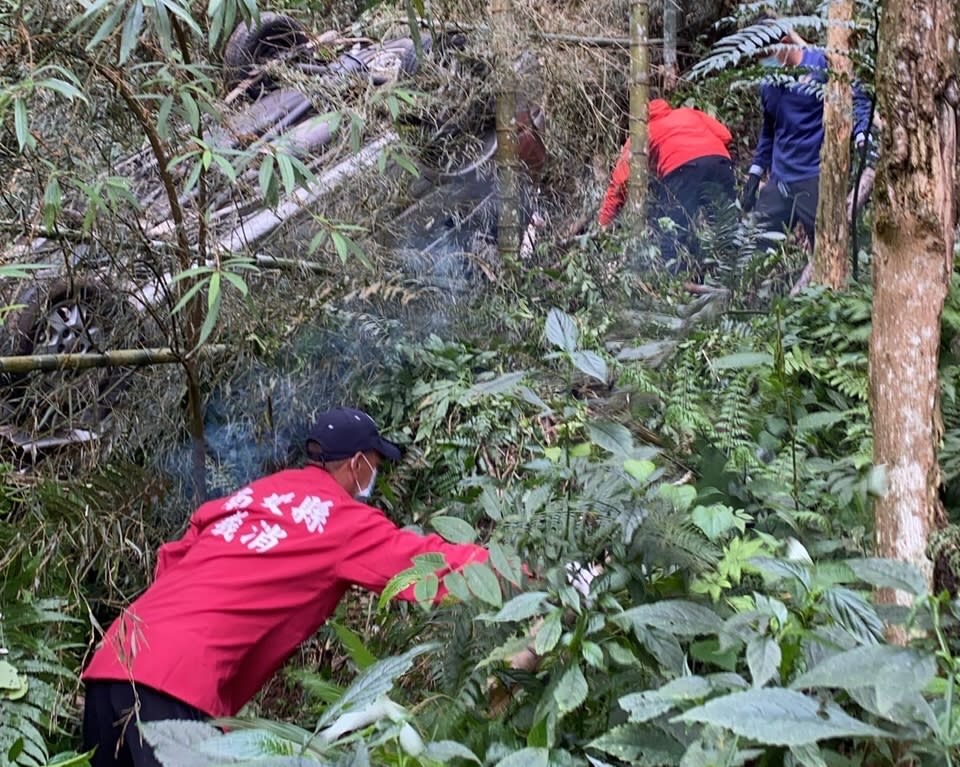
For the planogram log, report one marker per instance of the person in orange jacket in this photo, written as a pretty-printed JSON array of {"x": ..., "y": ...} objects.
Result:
[{"x": 688, "y": 151}]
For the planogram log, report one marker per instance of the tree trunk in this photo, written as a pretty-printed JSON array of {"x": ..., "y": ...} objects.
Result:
[
  {"x": 636, "y": 208},
  {"x": 831, "y": 266},
  {"x": 502, "y": 23},
  {"x": 670, "y": 70},
  {"x": 913, "y": 239}
]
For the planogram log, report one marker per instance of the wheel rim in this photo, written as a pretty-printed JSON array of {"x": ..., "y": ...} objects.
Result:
[{"x": 68, "y": 329}]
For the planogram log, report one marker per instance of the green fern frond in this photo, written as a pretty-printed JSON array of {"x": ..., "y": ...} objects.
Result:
[{"x": 667, "y": 538}]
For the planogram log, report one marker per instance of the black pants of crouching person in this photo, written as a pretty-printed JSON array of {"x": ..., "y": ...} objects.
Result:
[
  {"x": 781, "y": 206},
  {"x": 705, "y": 185},
  {"x": 110, "y": 722}
]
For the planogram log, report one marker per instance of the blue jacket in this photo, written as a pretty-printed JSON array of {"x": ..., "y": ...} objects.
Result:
[{"x": 792, "y": 131}]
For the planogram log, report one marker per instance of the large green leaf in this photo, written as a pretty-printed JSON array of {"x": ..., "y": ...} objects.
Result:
[
  {"x": 890, "y": 574},
  {"x": 763, "y": 659},
  {"x": 504, "y": 384},
  {"x": 779, "y": 717},
  {"x": 375, "y": 681},
  {"x": 483, "y": 584},
  {"x": 905, "y": 671},
  {"x": 571, "y": 690},
  {"x": 672, "y": 615},
  {"x": 526, "y": 757},
  {"x": 640, "y": 744},
  {"x": 453, "y": 529},
  {"x": 549, "y": 633},
  {"x": 445, "y": 750},
  {"x": 590, "y": 364},
  {"x": 743, "y": 360},
  {"x": 611, "y": 436},
  {"x": 506, "y": 562},
  {"x": 561, "y": 330},
  {"x": 648, "y": 705},
  {"x": 521, "y": 607}
]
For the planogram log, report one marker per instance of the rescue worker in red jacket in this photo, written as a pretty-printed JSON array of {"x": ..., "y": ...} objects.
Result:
[
  {"x": 688, "y": 151},
  {"x": 256, "y": 574}
]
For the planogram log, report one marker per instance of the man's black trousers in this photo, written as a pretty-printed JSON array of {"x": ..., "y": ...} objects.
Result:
[
  {"x": 706, "y": 184},
  {"x": 110, "y": 722},
  {"x": 781, "y": 206}
]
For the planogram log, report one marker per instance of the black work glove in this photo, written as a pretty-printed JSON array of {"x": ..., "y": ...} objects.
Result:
[{"x": 749, "y": 197}]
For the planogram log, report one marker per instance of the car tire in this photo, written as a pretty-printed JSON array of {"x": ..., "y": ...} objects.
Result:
[
  {"x": 67, "y": 317},
  {"x": 250, "y": 46}
]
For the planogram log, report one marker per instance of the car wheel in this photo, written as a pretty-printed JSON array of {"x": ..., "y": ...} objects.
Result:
[
  {"x": 250, "y": 46},
  {"x": 69, "y": 317}
]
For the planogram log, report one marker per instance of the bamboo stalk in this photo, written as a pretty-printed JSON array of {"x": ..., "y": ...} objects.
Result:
[
  {"x": 639, "y": 103},
  {"x": 30, "y": 363}
]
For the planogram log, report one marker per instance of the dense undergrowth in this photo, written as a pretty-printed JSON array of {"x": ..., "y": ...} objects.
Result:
[
  {"x": 576, "y": 412},
  {"x": 726, "y": 492}
]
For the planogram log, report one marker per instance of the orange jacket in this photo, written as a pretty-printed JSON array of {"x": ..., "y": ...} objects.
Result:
[{"x": 676, "y": 136}]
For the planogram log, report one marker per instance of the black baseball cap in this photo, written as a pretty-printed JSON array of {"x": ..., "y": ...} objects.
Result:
[{"x": 343, "y": 432}]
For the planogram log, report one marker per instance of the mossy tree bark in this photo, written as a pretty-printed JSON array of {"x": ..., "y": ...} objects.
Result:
[
  {"x": 831, "y": 266},
  {"x": 913, "y": 238}
]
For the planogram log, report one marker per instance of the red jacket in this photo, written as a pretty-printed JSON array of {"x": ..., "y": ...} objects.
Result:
[
  {"x": 675, "y": 136},
  {"x": 255, "y": 575}
]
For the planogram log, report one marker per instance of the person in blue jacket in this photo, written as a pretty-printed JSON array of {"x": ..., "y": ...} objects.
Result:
[{"x": 788, "y": 149}]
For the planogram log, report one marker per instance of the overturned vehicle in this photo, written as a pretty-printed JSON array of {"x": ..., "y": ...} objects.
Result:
[{"x": 310, "y": 131}]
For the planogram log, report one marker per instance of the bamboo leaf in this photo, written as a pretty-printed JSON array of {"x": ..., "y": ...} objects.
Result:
[
  {"x": 503, "y": 384},
  {"x": 237, "y": 281},
  {"x": 183, "y": 13},
  {"x": 213, "y": 309},
  {"x": 51, "y": 202},
  {"x": 376, "y": 681},
  {"x": 131, "y": 31},
  {"x": 107, "y": 27},
  {"x": 65, "y": 89},
  {"x": 286, "y": 173},
  {"x": 21, "y": 124},
  {"x": 340, "y": 245},
  {"x": 191, "y": 110},
  {"x": 188, "y": 295}
]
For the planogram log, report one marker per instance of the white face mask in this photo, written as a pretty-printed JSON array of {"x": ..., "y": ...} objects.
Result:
[
  {"x": 366, "y": 492},
  {"x": 771, "y": 62}
]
